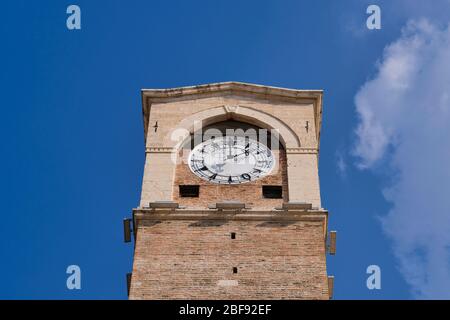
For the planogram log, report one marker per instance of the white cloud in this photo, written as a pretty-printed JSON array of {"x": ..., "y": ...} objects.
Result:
[
  {"x": 405, "y": 120},
  {"x": 341, "y": 164}
]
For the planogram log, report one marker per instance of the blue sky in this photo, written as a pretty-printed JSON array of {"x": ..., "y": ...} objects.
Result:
[{"x": 73, "y": 150}]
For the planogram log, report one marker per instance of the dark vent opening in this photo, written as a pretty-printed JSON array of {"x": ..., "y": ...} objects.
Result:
[
  {"x": 189, "y": 191},
  {"x": 233, "y": 235},
  {"x": 234, "y": 269},
  {"x": 272, "y": 192}
]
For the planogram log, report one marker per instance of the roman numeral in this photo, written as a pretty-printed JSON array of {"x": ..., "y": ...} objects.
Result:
[
  {"x": 213, "y": 176},
  {"x": 245, "y": 176}
]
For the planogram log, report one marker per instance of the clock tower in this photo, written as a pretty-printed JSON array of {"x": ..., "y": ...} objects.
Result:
[{"x": 230, "y": 205}]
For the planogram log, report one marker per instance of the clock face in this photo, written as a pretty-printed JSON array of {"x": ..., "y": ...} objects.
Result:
[{"x": 231, "y": 160}]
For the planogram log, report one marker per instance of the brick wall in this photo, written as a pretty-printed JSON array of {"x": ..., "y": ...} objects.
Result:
[{"x": 195, "y": 259}]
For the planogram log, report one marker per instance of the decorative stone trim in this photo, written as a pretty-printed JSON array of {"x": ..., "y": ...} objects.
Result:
[
  {"x": 302, "y": 151},
  {"x": 231, "y": 109},
  {"x": 159, "y": 150}
]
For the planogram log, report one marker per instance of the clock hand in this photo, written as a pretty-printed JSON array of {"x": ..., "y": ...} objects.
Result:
[
  {"x": 245, "y": 152},
  {"x": 229, "y": 156}
]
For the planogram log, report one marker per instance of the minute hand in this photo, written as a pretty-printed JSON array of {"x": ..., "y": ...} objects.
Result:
[{"x": 245, "y": 152}]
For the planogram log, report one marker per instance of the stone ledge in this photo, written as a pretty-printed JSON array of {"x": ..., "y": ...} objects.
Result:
[
  {"x": 144, "y": 214},
  {"x": 257, "y": 215}
]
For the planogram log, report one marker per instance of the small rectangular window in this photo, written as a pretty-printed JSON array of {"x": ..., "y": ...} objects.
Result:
[
  {"x": 233, "y": 235},
  {"x": 191, "y": 191},
  {"x": 272, "y": 192},
  {"x": 234, "y": 269}
]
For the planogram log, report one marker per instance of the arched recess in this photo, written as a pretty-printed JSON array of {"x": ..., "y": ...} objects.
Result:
[{"x": 201, "y": 119}]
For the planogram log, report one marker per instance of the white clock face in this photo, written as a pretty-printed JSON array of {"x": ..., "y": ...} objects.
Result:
[{"x": 231, "y": 160}]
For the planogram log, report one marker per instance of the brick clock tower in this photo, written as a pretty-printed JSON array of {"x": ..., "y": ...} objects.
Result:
[{"x": 230, "y": 205}]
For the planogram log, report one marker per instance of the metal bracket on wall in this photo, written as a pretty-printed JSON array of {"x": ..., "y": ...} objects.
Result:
[
  {"x": 332, "y": 243},
  {"x": 127, "y": 229}
]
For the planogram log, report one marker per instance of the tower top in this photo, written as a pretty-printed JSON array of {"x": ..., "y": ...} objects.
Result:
[
  {"x": 231, "y": 175},
  {"x": 150, "y": 96}
]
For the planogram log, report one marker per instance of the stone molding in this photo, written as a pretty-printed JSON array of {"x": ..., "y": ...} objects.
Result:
[
  {"x": 159, "y": 150},
  {"x": 302, "y": 151},
  {"x": 263, "y": 215}
]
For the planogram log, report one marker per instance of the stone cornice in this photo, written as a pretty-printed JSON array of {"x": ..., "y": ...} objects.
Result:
[
  {"x": 164, "y": 95},
  {"x": 319, "y": 215},
  {"x": 209, "y": 214}
]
